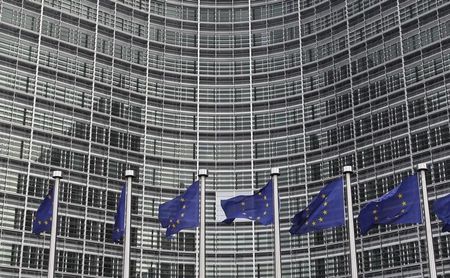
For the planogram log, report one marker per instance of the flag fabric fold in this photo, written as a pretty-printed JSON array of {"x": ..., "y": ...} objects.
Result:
[
  {"x": 441, "y": 208},
  {"x": 257, "y": 207},
  {"x": 43, "y": 219},
  {"x": 401, "y": 205},
  {"x": 119, "y": 218},
  {"x": 326, "y": 210},
  {"x": 181, "y": 212}
]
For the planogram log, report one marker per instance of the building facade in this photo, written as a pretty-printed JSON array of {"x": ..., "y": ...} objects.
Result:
[{"x": 167, "y": 87}]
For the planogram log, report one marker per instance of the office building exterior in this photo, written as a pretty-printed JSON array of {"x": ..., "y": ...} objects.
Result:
[{"x": 165, "y": 88}]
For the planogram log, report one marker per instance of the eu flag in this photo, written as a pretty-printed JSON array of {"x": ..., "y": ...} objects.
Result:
[
  {"x": 258, "y": 206},
  {"x": 442, "y": 209},
  {"x": 119, "y": 218},
  {"x": 181, "y": 212},
  {"x": 326, "y": 210},
  {"x": 43, "y": 220},
  {"x": 401, "y": 205}
]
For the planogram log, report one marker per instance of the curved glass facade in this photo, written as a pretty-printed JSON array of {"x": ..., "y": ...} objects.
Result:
[{"x": 236, "y": 87}]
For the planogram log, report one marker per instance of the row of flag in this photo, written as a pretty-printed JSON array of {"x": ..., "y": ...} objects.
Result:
[{"x": 401, "y": 205}]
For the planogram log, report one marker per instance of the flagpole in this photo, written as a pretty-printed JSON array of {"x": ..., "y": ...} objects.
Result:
[
  {"x": 275, "y": 172},
  {"x": 202, "y": 173},
  {"x": 129, "y": 174},
  {"x": 421, "y": 168},
  {"x": 351, "y": 229},
  {"x": 57, "y": 175}
]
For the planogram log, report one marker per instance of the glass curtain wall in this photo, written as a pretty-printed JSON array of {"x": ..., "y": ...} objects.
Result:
[{"x": 165, "y": 88}]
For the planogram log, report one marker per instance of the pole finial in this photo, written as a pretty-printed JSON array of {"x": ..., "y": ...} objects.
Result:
[
  {"x": 57, "y": 174},
  {"x": 129, "y": 173},
  {"x": 348, "y": 169},
  {"x": 275, "y": 171},
  {"x": 422, "y": 166},
  {"x": 203, "y": 172}
]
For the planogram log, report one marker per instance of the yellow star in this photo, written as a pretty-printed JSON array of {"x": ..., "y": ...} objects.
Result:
[
  {"x": 182, "y": 199},
  {"x": 259, "y": 193},
  {"x": 45, "y": 222},
  {"x": 173, "y": 225},
  {"x": 170, "y": 220},
  {"x": 400, "y": 195},
  {"x": 242, "y": 203},
  {"x": 314, "y": 223},
  {"x": 403, "y": 211},
  {"x": 324, "y": 196},
  {"x": 39, "y": 222},
  {"x": 325, "y": 204},
  {"x": 184, "y": 206},
  {"x": 306, "y": 223},
  {"x": 265, "y": 197},
  {"x": 267, "y": 205},
  {"x": 404, "y": 203},
  {"x": 374, "y": 211},
  {"x": 178, "y": 221},
  {"x": 320, "y": 219},
  {"x": 325, "y": 212},
  {"x": 265, "y": 212}
]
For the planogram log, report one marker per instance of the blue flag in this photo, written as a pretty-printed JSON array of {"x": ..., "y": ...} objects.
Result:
[
  {"x": 326, "y": 210},
  {"x": 181, "y": 212},
  {"x": 442, "y": 209},
  {"x": 119, "y": 218},
  {"x": 43, "y": 220},
  {"x": 401, "y": 205},
  {"x": 257, "y": 207}
]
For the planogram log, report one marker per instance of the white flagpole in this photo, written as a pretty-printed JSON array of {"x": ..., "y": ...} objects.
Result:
[
  {"x": 275, "y": 172},
  {"x": 202, "y": 173},
  {"x": 129, "y": 174},
  {"x": 351, "y": 229},
  {"x": 57, "y": 175},
  {"x": 421, "y": 168}
]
